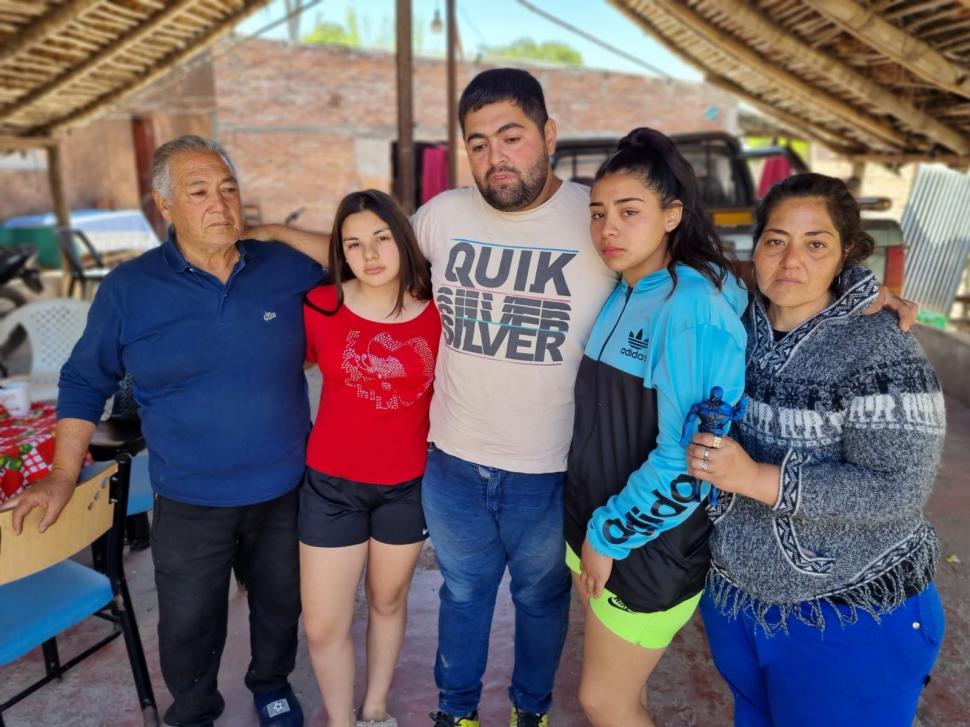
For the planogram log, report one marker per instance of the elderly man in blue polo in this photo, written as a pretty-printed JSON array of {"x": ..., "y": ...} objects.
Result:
[{"x": 211, "y": 329}]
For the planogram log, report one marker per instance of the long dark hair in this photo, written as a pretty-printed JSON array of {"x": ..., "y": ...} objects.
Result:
[
  {"x": 415, "y": 275},
  {"x": 655, "y": 159},
  {"x": 857, "y": 244}
]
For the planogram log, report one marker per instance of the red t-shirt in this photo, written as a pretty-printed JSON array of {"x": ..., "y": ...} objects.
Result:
[{"x": 372, "y": 425}]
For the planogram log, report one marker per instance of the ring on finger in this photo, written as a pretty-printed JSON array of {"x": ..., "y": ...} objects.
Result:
[
  {"x": 707, "y": 454},
  {"x": 716, "y": 443},
  {"x": 705, "y": 465}
]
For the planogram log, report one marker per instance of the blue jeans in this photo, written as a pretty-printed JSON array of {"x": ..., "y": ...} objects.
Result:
[
  {"x": 482, "y": 519},
  {"x": 862, "y": 673}
]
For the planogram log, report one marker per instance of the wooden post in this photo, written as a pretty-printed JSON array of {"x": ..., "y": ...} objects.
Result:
[
  {"x": 62, "y": 210},
  {"x": 55, "y": 178},
  {"x": 857, "y": 177},
  {"x": 405, "y": 109},
  {"x": 143, "y": 137},
  {"x": 452, "y": 40}
]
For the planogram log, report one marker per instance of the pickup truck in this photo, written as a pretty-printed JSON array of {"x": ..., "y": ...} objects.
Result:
[{"x": 724, "y": 173}]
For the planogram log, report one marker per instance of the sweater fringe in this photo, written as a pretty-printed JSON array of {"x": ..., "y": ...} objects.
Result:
[{"x": 875, "y": 596}]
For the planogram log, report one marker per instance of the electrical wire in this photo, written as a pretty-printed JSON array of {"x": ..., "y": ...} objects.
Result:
[{"x": 593, "y": 39}]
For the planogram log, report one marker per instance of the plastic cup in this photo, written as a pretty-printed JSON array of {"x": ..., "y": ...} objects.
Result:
[{"x": 15, "y": 398}]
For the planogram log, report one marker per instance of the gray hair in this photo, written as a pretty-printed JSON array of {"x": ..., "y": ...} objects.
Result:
[{"x": 162, "y": 159}]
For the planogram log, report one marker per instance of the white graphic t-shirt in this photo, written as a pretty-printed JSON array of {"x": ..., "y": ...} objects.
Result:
[{"x": 518, "y": 293}]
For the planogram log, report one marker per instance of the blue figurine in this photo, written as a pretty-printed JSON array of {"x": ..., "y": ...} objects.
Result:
[{"x": 715, "y": 415}]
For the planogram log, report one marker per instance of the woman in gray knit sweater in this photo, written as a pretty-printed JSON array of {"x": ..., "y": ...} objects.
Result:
[{"x": 820, "y": 606}]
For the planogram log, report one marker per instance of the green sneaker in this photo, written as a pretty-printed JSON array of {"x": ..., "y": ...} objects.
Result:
[
  {"x": 520, "y": 718},
  {"x": 443, "y": 719}
]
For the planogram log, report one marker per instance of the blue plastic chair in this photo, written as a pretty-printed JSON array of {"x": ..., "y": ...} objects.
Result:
[
  {"x": 43, "y": 592},
  {"x": 141, "y": 497}
]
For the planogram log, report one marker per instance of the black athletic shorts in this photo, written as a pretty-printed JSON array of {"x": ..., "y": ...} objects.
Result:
[{"x": 335, "y": 512}]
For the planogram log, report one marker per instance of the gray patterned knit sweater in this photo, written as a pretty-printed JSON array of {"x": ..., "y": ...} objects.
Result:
[{"x": 851, "y": 410}]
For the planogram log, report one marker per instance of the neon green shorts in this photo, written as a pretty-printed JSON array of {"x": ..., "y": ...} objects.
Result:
[{"x": 653, "y": 630}]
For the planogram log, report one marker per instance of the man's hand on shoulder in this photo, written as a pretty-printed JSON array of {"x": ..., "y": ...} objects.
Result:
[
  {"x": 50, "y": 494},
  {"x": 905, "y": 310}
]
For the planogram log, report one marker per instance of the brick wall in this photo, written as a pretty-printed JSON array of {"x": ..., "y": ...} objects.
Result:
[
  {"x": 98, "y": 172},
  {"x": 307, "y": 124},
  {"x": 99, "y": 160}
]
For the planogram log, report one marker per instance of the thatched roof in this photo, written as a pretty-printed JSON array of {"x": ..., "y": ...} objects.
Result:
[
  {"x": 882, "y": 79},
  {"x": 63, "y": 62}
]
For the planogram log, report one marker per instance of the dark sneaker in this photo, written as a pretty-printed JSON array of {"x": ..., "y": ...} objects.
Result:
[
  {"x": 443, "y": 719},
  {"x": 519, "y": 718},
  {"x": 278, "y": 709}
]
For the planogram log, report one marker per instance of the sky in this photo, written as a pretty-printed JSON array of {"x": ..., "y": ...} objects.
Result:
[{"x": 495, "y": 22}]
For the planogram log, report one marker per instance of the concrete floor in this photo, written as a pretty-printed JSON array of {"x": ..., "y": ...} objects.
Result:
[{"x": 685, "y": 690}]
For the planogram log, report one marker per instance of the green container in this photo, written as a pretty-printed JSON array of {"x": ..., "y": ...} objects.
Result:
[
  {"x": 42, "y": 238},
  {"x": 932, "y": 318}
]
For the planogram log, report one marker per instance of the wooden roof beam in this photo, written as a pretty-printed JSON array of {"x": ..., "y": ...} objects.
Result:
[
  {"x": 158, "y": 70},
  {"x": 10, "y": 142},
  {"x": 814, "y": 132},
  {"x": 123, "y": 43},
  {"x": 952, "y": 160},
  {"x": 781, "y": 78},
  {"x": 51, "y": 22},
  {"x": 794, "y": 125},
  {"x": 823, "y": 64},
  {"x": 913, "y": 54}
]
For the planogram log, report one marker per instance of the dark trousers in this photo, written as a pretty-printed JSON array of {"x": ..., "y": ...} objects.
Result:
[{"x": 194, "y": 548}]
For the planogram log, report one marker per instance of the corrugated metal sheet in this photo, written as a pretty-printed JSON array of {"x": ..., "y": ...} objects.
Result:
[{"x": 936, "y": 226}]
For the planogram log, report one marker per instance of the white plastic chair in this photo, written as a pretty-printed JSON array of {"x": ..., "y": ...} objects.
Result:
[{"x": 53, "y": 327}]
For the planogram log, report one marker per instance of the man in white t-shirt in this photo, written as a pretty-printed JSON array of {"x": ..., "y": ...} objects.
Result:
[{"x": 518, "y": 285}]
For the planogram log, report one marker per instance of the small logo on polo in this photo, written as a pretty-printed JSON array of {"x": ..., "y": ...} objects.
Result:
[
  {"x": 637, "y": 343},
  {"x": 269, "y": 315},
  {"x": 275, "y": 709},
  {"x": 617, "y": 602}
]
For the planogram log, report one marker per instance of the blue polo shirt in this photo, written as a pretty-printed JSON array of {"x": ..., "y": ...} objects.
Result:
[{"x": 217, "y": 369}]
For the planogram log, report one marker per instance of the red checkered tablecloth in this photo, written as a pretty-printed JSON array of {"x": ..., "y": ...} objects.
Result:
[{"x": 26, "y": 447}]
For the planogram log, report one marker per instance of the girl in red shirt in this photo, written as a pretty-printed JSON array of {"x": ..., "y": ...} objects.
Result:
[{"x": 374, "y": 333}]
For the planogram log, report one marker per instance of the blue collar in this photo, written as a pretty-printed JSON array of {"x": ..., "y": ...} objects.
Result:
[{"x": 176, "y": 260}]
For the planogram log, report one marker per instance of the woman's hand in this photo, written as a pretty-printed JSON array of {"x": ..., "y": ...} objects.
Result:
[
  {"x": 724, "y": 463},
  {"x": 594, "y": 570}
]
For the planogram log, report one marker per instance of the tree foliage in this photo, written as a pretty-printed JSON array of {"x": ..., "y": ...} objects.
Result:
[
  {"x": 363, "y": 32},
  {"x": 550, "y": 51},
  {"x": 327, "y": 33}
]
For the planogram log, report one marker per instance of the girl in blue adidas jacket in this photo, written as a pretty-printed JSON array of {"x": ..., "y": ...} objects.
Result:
[{"x": 636, "y": 525}]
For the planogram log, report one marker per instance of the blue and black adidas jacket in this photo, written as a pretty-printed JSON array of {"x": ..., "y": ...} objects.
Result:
[{"x": 651, "y": 355}]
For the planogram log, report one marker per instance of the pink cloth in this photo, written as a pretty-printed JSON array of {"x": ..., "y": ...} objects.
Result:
[
  {"x": 434, "y": 172},
  {"x": 774, "y": 170}
]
